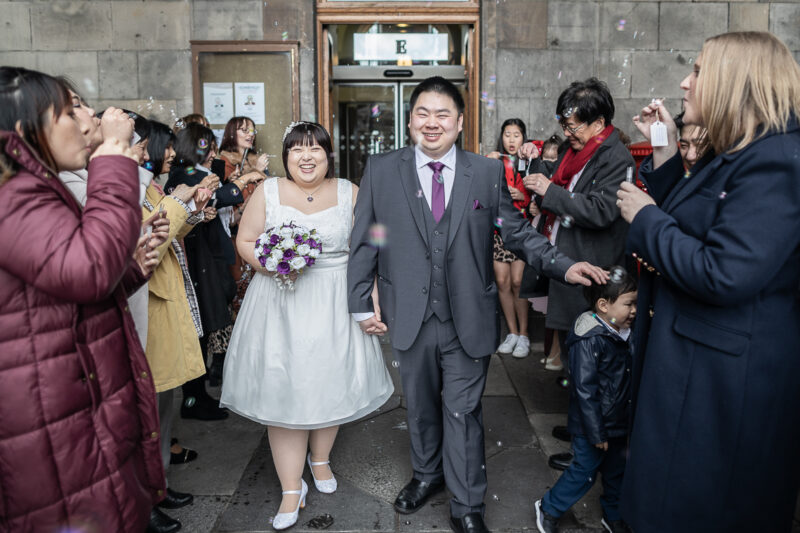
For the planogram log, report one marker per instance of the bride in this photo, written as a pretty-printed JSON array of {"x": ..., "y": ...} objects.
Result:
[{"x": 297, "y": 361}]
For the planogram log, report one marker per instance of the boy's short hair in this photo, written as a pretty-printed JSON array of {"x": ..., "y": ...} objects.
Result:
[{"x": 619, "y": 283}]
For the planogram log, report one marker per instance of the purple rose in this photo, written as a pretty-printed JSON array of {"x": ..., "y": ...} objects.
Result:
[
  {"x": 274, "y": 239},
  {"x": 298, "y": 239},
  {"x": 283, "y": 268},
  {"x": 289, "y": 254},
  {"x": 312, "y": 243},
  {"x": 263, "y": 261},
  {"x": 267, "y": 251},
  {"x": 309, "y": 261}
]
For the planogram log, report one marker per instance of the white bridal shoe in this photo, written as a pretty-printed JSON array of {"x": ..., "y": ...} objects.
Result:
[
  {"x": 327, "y": 486},
  {"x": 286, "y": 520}
]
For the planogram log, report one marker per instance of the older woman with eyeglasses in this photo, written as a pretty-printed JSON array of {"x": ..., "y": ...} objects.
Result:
[{"x": 577, "y": 203}]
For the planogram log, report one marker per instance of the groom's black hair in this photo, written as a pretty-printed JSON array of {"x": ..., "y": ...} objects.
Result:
[{"x": 437, "y": 84}]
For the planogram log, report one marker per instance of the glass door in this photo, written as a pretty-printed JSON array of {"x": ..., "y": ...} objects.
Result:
[{"x": 364, "y": 123}]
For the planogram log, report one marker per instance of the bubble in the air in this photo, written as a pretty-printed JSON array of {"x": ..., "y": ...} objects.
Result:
[
  {"x": 180, "y": 124},
  {"x": 499, "y": 443},
  {"x": 552, "y": 261},
  {"x": 408, "y": 522},
  {"x": 621, "y": 25},
  {"x": 722, "y": 195},
  {"x": 284, "y": 35},
  {"x": 395, "y": 364},
  {"x": 483, "y": 467},
  {"x": 420, "y": 194},
  {"x": 377, "y": 235},
  {"x": 191, "y": 170},
  {"x": 566, "y": 221},
  {"x": 613, "y": 320},
  {"x": 202, "y": 144},
  {"x": 563, "y": 382},
  {"x": 490, "y": 103},
  {"x": 148, "y": 165},
  {"x": 492, "y": 79},
  {"x": 484, "y": 95},
  {"x": 572, "y": 195},
  {"x": 635, "y": 34},
  {"x": 498, "y": 222},
  {"x": 687, "y": 174},
  {"x": 190, "y": 401},
  {"x": 616, "y": 275},
  {"x": 495, "y": 497},
  {"x": 375, "y": 111},
  {"x": 559, "y": 74}
]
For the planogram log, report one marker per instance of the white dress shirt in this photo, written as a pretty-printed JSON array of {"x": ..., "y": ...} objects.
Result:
[{"x": 425, "y": 176}]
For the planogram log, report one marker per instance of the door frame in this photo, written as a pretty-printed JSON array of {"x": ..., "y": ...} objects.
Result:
[{"x": 338, "y": 12}]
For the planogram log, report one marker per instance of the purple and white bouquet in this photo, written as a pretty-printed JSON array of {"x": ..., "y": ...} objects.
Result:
[{"x": 287, "y": 249}]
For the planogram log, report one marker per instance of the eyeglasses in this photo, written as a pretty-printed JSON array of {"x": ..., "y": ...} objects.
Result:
[
  {"x": 248, "y": 131},
  {"x": 573, "y": 130}
]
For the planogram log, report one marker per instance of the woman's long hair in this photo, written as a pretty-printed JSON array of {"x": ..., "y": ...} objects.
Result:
[
  {"x": 229, "y": 138},
  {"x": 510, "y": 122},
  {"x": 749, "y": 85},
  {"x": 161, "y": 138},
  {"x": 26, "y": 96},
  {"x": 192, "y": 145}
]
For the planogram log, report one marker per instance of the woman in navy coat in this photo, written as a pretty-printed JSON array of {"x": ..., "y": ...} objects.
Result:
[{"x": 716, "y": 426}]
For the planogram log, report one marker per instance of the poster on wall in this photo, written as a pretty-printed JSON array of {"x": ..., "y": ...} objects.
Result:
[
  {"x": 250, "y": 102},
  {"x": 218, "y": 102}
]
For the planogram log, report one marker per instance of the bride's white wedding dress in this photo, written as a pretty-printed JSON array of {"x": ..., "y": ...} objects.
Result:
[{"x": 297, "y": 359}]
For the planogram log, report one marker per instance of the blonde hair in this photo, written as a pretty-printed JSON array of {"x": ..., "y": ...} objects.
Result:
[{"x": 749, "y": 85}]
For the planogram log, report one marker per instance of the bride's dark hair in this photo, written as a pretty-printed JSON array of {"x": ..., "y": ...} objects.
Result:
[{"x": 308, "y": 134}]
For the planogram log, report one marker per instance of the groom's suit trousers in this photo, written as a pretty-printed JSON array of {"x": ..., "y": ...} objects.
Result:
[{"x": 443, "y": 386}]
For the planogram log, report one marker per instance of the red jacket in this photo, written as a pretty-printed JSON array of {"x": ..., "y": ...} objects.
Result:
[{"x": 79, "y": 444}]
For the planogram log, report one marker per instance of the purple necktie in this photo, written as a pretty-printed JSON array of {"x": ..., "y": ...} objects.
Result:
[{"x": 437, "y": 190}]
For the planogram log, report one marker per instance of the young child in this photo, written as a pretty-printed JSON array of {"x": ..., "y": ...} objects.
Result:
[{"x": 599, "y": 364}]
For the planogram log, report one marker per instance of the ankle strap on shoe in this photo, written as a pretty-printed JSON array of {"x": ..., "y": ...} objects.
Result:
[
  {"x": 292, "y": 491},
  {"x": 320, "y": 463}
]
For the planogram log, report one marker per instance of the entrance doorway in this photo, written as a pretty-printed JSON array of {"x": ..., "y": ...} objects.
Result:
[
  {"x": 370, "y": 111},
  {"x": 369, "y": 65}
]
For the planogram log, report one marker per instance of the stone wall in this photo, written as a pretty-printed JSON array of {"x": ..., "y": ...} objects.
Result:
[
  {"x": 137, "y": 53},
  {"x": 533, "y": 49}
]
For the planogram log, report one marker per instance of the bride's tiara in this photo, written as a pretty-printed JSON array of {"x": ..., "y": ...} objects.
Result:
[{"x": 290, "y": 127}]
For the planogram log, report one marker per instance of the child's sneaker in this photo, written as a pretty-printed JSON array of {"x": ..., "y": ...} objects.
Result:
[
  {"x": 615, "y": 526},
  {"x": 509, "y": 344},
  {"x": 545, "y": 523}
]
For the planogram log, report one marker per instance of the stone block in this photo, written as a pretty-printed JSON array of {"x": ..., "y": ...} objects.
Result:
[
  {"x": 160, "y": 110},
  {"x": 656, "y": 74},
  {"x": 151, "y": 25},
  {"x": 749, "y": 17},
  {"x": 308, "y": 87},
  {"x": 539, "y": 73},
  {"x": 615, "y": 68},
  {"x": 214, "y": 20},
  {"x": 119, "y": 75},
  {"x": 80, "y": 67},
  {"x": 291, "y": 19},
  {"x": 67, "y": 26},
  {"x": 19, "y": 59},
  {"x": 629, "y": 25},
  {"x": 784, "y": 21},
  {"x": 165, "y": 74},
  {"x": 572, "y": 25},
  {"x": 686, "y": 26},
  {"x": 15, "y": 26},
  {"x": 521, "y": 24}
]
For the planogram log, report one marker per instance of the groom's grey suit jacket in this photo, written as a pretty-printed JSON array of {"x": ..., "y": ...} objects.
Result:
[{"x": 390, "y": 195}]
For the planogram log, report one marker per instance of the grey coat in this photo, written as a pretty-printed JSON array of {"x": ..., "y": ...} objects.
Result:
[
  {"x": 479, "y": 198},
  {"x": 597, "y": 233}
]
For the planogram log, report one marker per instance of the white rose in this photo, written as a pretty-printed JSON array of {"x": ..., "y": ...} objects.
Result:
[
  {"x": 314, "y": 253},
  {"x": 272, "y": 264},
  {"x": 303, "y": 249},
  {"x": 297, "y": 263},
  {"x": 287, "y": 244},
  {"x": 276, "y": 254},
  {"x": 286, "y": 232}
]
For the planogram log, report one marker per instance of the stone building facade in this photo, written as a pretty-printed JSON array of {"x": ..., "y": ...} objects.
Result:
[{"x": 137, "y": 53}]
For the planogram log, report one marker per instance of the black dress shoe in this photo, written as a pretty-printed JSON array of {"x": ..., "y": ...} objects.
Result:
[
  {"x": 175, "y": 500},
  {"x": 562, "y": 433},
  {"x": 469, "y": 523},
  {"x": 415, "y": 494},
  {"x": 560, "y": 461},
  {"x": 161, "y": 523},
  {"x": 202, "y": 410},
  {"x": 186, "y": 455}
]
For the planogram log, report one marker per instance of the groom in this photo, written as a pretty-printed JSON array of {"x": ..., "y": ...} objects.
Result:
[{"x": 438, "y": 206}]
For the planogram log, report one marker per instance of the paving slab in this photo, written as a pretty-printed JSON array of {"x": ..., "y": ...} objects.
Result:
[
  {"x": 202, "y": 515},
  {"x": 537, "y": 388}
]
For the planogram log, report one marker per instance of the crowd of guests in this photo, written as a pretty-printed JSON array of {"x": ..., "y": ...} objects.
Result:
[{"x": 679, "y": 352}]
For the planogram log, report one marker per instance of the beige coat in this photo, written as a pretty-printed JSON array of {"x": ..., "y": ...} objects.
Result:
[{"x": 173, "y": 349}]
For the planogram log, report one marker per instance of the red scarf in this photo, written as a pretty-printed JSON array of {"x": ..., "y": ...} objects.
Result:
[
  {"x": 514, "y": 179},
  {"x": 571, "y": 164}
]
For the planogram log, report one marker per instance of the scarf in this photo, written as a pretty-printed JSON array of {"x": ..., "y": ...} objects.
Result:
[
  {"x": 514, "y": 179},
  {"x": 572, "y": 163}
]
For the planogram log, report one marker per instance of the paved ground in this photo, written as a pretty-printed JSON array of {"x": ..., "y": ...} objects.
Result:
[{"x": 236, "y": 488}]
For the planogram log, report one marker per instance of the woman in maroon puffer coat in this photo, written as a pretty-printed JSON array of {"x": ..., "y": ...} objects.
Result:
[{"x": 79, "y": 446}]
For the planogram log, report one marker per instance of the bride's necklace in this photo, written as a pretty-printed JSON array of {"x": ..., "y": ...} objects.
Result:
[{"x": 310, "y": 196}]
